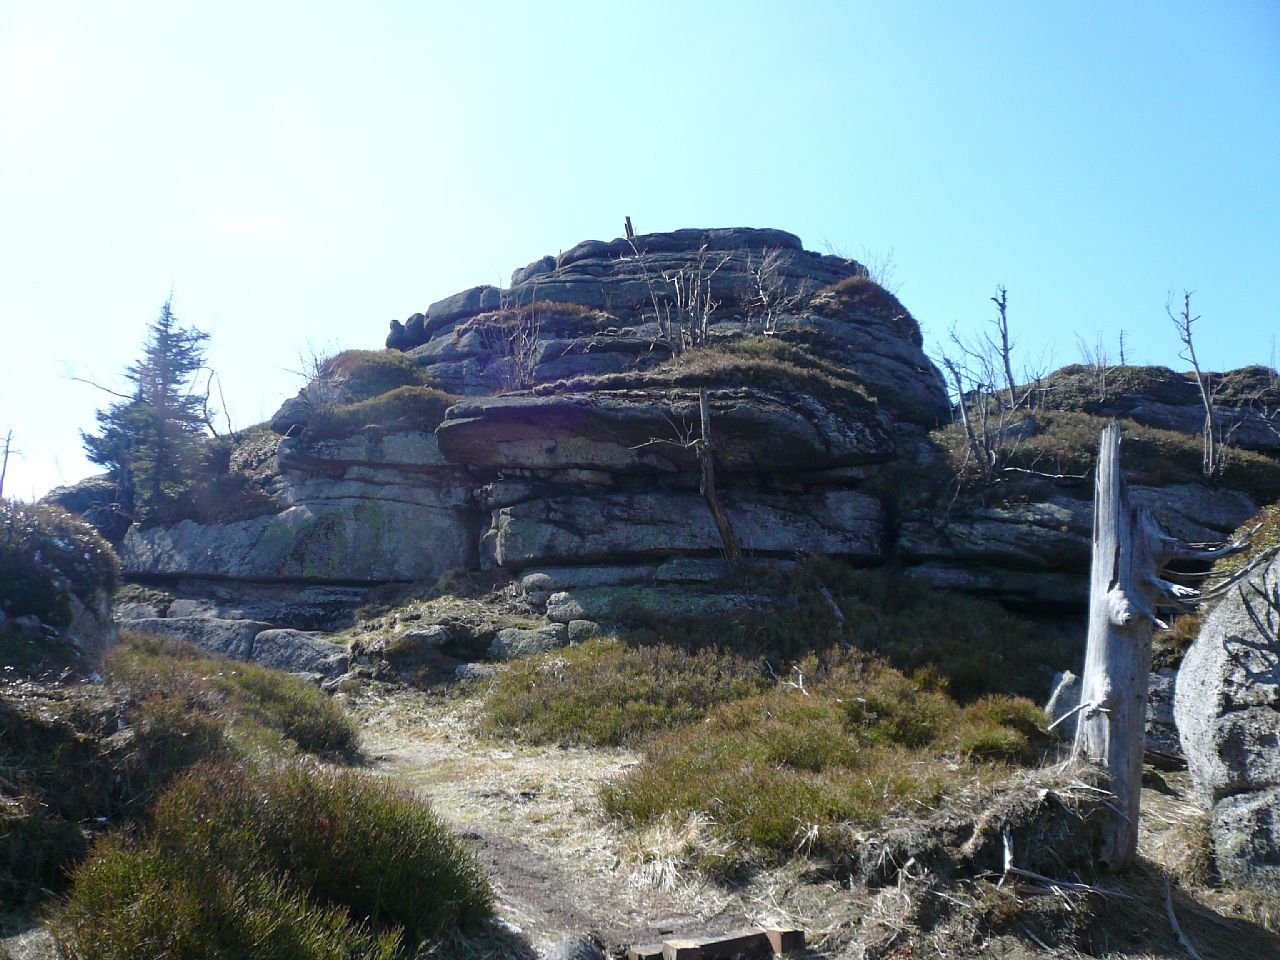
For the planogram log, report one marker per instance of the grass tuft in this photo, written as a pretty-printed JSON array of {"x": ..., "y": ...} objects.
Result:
[
  {"x": 844, "y": 740},
  {"x": 403, "y": 408}
]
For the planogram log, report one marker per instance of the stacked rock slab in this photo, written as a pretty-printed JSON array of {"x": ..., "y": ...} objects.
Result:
[
  {"x": 593, "y": 463},
  {"x": 1227, "y": 708},
  {"x": 371, "y": 508},
  {"x": 573, "y": 447}
]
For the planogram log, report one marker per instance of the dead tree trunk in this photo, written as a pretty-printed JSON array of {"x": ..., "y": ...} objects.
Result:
[
  {"x": 707, "y": 486},
  {"x": 1129, "y": 553},
  {"x": 1117, "y": 662},
  {"x": 4, "y": 464}
]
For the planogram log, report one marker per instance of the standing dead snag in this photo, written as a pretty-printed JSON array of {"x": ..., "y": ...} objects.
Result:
[
  {"x": 1125, "y": 591},
  {"x": 707, "y": 484}
]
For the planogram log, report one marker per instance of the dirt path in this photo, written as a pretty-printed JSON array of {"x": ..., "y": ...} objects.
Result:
[{"x": 559, "y": 868}]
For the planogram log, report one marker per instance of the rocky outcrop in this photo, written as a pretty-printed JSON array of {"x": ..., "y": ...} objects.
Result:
[
  {"x": 1036, "y": 552},
  {"x": 1227, "y": 708},
  {"x": 571, "y": 459},
  {"x": 594, "y": 463},
  {"x": 1248, "y": 400},
  {"x": 371, "y": 507}
]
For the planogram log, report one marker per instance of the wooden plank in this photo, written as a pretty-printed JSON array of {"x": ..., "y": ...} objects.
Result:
[
  {"x": 755, "y": 943},
  {"x": 682, "y": 950},
  {"x": 785, "y": 940}
]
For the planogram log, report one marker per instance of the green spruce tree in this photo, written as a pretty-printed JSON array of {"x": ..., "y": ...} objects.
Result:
[{"x": 149, "y": 441}]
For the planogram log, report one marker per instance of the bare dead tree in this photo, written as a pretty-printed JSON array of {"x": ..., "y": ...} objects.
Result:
[
  {"x": 770, "y": 295},
  {"x": 1098, "y": 363},
  {"x": 707, "y": 484},
  {"x": 681, "y": 299},
  {"x": 1004, "y": 348},
  {"x": 4, "y": 462},
  {"x": 1214, "y": 445},
  {"x": 1126, "y": 592},
  {"x": 703, "y": 447}
]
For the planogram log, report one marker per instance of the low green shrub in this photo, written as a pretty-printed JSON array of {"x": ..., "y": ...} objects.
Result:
[
  {"x": 65, "y": 769},
  {"x": 860, "y": 294},
  {"x": 257, "y": 704},
  {"x": 606, "y": 693},
  {"x": 47, "y": 556},
  {"x": 842, "y": 740},
  {"x": 364, "y": 374},
  {"x": 289, "y": 861},
  {"x": 976, "y": 645}
]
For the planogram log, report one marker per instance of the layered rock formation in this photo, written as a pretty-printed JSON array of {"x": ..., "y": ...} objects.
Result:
[
  {"x": 569, "y": 451},
  {"x": 588, "y": 456}
]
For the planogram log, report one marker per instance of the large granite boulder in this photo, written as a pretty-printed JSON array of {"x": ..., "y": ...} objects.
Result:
[{"x": 1227, "y": 708}]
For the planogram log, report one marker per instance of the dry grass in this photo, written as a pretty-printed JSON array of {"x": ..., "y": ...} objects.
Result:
[
  {"x": 403, "y": 408},
  {"x": 843, "y": 740}
]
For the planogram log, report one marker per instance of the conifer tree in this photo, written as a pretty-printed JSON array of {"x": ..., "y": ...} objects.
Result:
[{"x": 149, "y": 440}]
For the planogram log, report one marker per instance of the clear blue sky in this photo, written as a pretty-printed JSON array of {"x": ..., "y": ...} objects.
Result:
[{"x": 301, "y": 173}]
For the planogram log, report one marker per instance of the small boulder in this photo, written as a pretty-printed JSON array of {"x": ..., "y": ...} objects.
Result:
[
  {"x": 297, "y": 651},
  {"x": 575, "y": 948},
  {"x": 513, "y": 642},
  {"x": 232, "y": 638}
]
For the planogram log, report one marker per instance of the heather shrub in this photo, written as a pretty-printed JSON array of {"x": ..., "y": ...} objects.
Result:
[
  {"x": 606, "y": 693},
  {"x": 47, "y": 556},
  {"x": 289, "y": 861},
  {"x": 256, "y": 704}
]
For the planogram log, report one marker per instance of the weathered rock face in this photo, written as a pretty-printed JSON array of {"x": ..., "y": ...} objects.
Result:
[
  {"x": 1227, "y": 707},
  {"x": 596, "y": 466},
  {"x": 1248, "y": 400},
  {"x": 607, "y": 527},
  {"x": 1036, "y": 552},
  {"x": 646, "y": 431},
  {"x": 365, "y": 508}
]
